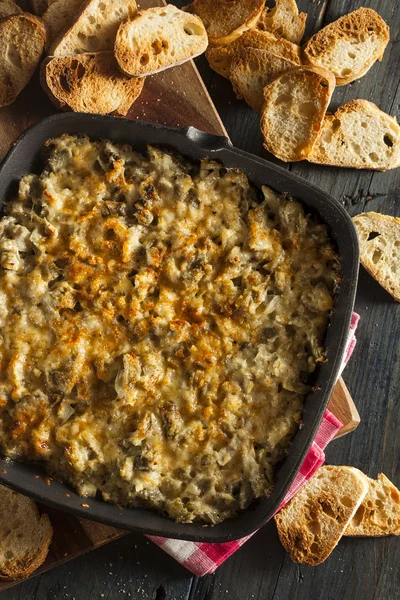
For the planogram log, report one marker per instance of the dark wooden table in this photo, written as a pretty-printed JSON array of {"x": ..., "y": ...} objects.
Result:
[{"x": 368, "y": 569}]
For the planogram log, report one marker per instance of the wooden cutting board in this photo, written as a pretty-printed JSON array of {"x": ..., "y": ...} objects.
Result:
[{"x": 176, "y": 98}]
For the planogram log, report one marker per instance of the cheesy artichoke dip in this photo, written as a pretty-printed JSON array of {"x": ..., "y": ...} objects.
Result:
[{"x": 159, "y": 321}]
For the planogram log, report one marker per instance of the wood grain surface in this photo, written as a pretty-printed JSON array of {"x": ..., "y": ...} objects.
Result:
[{"x": 132, "y": 567}]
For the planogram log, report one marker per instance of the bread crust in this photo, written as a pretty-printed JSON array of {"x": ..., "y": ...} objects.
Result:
[
  {"x": 358, "y": 125},
  {"x": 226, "y": 20},
  {"x": 379, "y": 513},
  {"x": 388, "y": 228},
  {"x": 8, "y": 8},
  {"x": 312, "y": 523},
  {"x": 361, "y": 26},
  {"x": 316, "y": 86},
  {"x": 34, "y": 37},
  {"x": 21, "y": 567},
  {"x": 252, "y": 69},
  {"x": 183, "y": 37},
  {"x": 284, "y": 20},
  {"x": 89, "y": 83},
  {"x": 80, "y": 24},
  {"x": 59, "y": 17},
  {"x": 220, "y": 57}
]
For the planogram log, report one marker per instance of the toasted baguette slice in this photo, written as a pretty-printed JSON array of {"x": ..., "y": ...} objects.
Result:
[
  {"x": 379, "y": 237},
  {"x": 313, "y": 522},
  {"x": 294, "y": 110},
  {"x": 379, "y": 512},
  {"x": 226, "y": 20},
  {"x": 359, "y": 135},
  {"x": 220, "y": 57},
  {"x": 252, "y": 70},
  {"x": 59, "y": 16},
  {"x": 8, "y": 8},
  {"x": 22, "y": 40},
  {"x": 94, "y": 27},
  {"x": 349, "y": 46},
  {"x": 90, "y": 83},
  {"x": 284, "y": 20},
  {"x": 25, "y": 535},
  {"x": 159, "y": 38},
  {"x": 39, "y": 7}
]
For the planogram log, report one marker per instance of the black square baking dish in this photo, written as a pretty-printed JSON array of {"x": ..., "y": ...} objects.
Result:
[{"x": 24, "y": 157}]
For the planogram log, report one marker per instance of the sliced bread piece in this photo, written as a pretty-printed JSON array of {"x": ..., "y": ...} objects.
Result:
[
  {"x": 349, "y": 46},
  {"x": 379, "y": 512},
  {"x": 8, "y": 8},
  {"x": 294, "y": 110},
  {"x": 220, "y": 57},
  {"x": 90, "y": 83},
  {"x": 252, "y": 69},
  {"x": 359, "y": 135},
  {"x": 226, "y": 20},
  {"x": 25, "y": 535},
  {"x": 59, "y": 16},
  {"x": 312, "y": 523},
  {"x": 39, "y": 7},
  {"x": 159, "y": 38},
  {"x": 284, "y": 20},
  {"x": 94, "y": 27},
  {"x": 379, "y": 237},
  {"x": 22, "y": 40}
]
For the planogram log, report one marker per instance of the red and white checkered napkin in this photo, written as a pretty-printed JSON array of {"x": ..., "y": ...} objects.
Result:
[{"x": 203, "y": 558}]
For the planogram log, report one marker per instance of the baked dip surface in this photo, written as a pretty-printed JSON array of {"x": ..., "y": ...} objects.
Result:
[{"x": 159, "y": 321}]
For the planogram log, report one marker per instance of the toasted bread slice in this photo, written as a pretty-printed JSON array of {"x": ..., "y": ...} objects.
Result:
[
  {"x": 94, "y": 27},
  {"x": 379, "y": 237},
  {"x": 313, "y": 522},
  {"x": 252, "y": 70},
  {"x": 22, "y": 40},
  {"x": 226, "y": 20},
  {"x": 284, "y": 20},
  {"x": 379, "y": 512},
  {"x": 59, "y": 16},
  {"x": 359, "y": 135},
  {"x": 39, "y": 7},
  {"x": 8, "y": 8},
  {"x": 90, "y": 83},
  {"x": 294, "y": 110},
  {"x": 25, "y": 535},
  {"x": 220, "y": 57},
  {"x": 349, "y": 46},
  {"x": 159, "y": 38}
]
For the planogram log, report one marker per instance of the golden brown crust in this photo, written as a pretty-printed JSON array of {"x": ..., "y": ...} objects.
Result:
[
  {"x": 253, "y": 69},
  {"x": 106, "y": 22},
  {"x": 362, "y": 25},
  {"x": 379, "y": 513},
  {"x": 310, "y": 87},
  {"x": 89, "y": 82},
  {"x": 226, "y": 20},
  {"x": 220, "y": 57},
  {"x": 22, "y": 569},
  {"x": 141, "y": 49},
  {"x": 284, "y": 20},
  {"x": 8, "y": 8},
  {"x": 389, "y": 228},
  {"x": 31, "y": 32},
  {"x": 312, "y": 523},
  {"x": 360, "y": 136}
]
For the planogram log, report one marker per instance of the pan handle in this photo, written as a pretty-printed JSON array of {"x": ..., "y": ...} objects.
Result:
[{"x": 206, "y": 141}]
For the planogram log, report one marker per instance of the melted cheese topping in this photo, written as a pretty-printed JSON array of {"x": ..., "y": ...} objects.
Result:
[{"x": 158, "y": 324}]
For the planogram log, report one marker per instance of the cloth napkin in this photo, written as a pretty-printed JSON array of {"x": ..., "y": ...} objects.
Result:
[{"x": 202, "y": 558}]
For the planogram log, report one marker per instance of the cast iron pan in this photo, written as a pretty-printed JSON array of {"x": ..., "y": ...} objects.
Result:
[{"x": 24, "y": 157}]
